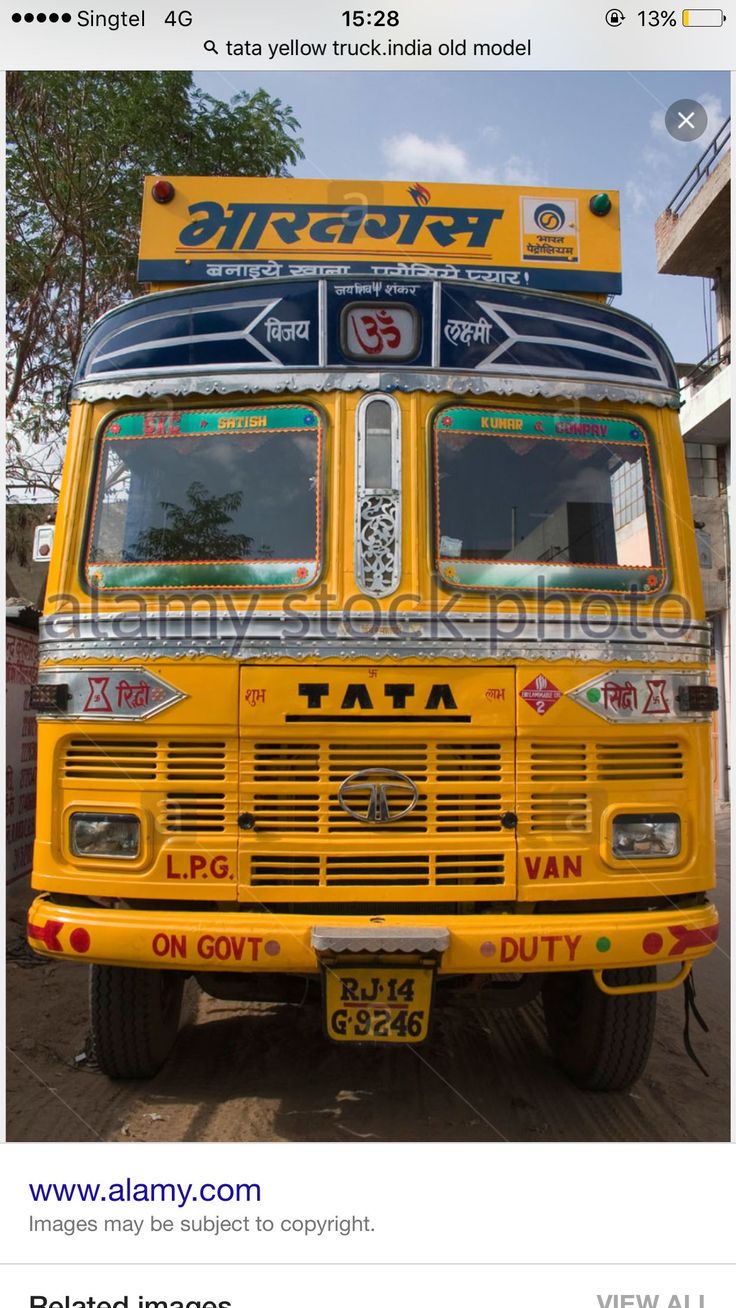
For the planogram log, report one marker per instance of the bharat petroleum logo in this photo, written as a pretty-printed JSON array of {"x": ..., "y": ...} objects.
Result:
[
  {"x": 549, "y": 217},
  {"x": 419, "y": 194}
]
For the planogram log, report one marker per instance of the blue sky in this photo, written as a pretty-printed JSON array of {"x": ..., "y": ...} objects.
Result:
[{"x": 593, "y": 130}]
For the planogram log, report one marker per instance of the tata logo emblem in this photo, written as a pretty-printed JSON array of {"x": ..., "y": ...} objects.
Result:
[{"x": 377, "y": 796}]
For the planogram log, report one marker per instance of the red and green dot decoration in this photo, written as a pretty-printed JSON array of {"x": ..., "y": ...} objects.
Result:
[{"x": 651, "y": 944}]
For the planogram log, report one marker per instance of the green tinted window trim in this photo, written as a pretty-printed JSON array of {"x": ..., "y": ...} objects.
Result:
[
  {"x": 553, "y": 576},
  {"x": 206, "y": 422},
  {"x": 458, "y": 574},
  {"x": 554, "y": 426},
  {"x": 270, "y": 574},
  {"x": 182, "y": 576}
]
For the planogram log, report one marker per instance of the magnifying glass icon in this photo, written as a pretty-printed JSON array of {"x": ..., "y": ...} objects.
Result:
[{"x": 210, "y": 45}]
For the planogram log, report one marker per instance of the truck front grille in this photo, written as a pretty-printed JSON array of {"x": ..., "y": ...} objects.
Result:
[
  {"x": 191, "y": 785},
  {"x": 562, "y": 784},
  {"x": 110, "y": 758},
  {"x": 453, "y": 838},
  {"x": 366, "y": 870},
  {"x": 293, "y": 788}
]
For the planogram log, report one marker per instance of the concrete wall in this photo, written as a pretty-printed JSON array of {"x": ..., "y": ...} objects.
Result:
[
  {"x": 713, "y": 546},
  {"x": 697, "y": 241}
]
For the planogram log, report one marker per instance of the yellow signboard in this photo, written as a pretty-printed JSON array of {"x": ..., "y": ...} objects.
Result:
[{"x": 222, "y": 229}]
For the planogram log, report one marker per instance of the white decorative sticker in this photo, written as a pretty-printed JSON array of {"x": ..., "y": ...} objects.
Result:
[
  {"x": 110, "y": 694},
  {"x": 550, "y": 230},
  {"x": 635, "y": 696},
  {"x": 379, "y": 331}
]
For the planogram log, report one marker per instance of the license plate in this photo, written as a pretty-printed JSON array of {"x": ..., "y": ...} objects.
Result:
[{"x": 383, "y": 1005}]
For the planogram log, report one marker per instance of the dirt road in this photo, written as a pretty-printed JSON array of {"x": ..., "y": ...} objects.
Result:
[{"x": 255, "y": 1072}]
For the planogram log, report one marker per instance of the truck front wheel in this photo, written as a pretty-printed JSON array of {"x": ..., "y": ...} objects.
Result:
[
  {"x": 135, "y": 1015},
  {"x": 601, "y": 1041}
]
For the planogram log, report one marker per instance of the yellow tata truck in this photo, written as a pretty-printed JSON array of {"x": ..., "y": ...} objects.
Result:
[{"x": 374, "y": 659}]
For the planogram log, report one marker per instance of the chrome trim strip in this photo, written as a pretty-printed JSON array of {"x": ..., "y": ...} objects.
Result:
[
  {"x": 294, "y": 382},
  {"x": 436, "y": 317},
  {"x": 441, "y": 636},
  {"x": 384, "y": 940},
  {"x": 322, "y": 337},
  {"x": 377, "y": 523}
]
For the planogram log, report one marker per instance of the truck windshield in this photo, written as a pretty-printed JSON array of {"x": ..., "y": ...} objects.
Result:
[
  {"x": 219, "y": 497},
  {"x": 551, "y": 489}
]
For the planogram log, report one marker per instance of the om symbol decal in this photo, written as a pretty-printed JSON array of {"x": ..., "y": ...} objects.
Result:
[{"x": 373, "y": 331}]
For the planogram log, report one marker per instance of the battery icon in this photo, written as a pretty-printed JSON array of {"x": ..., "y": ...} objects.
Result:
[{"x": 703, "y": 18}]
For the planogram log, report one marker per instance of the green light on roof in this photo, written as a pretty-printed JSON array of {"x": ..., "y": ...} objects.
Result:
[{"x": 600, "y": 204}]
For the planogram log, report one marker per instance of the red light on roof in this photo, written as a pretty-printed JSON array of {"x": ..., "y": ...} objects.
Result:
[{"x": 162, "y": 191}]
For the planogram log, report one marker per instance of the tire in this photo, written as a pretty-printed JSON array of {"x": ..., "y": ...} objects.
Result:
[
  {"x": 601, "y": 1041},
  {"x": 135, "y": 1014}
]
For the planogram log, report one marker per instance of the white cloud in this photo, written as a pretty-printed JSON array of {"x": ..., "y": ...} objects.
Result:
[
  {"x": 666, "y": 162},
  {"x": 656, "y": 159},
  {"x": 713, "y": 106},
  {"x": 638, "y": 196},
  {"x": 410, "y": 155},
  {"x": 656, "y": 123},
  {"x": 519, "y": 172},
  {"x": 414, "y": 157}
]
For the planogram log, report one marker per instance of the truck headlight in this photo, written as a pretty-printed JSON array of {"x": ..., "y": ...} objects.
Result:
[
  {"x": 105, "y": 835},
  {"x": 646, "y": 835}
]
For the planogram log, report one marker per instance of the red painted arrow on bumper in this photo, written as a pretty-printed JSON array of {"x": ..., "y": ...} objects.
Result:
[
  {"x": 689, "y": 937},
  {"x": 48, "y": 934}
]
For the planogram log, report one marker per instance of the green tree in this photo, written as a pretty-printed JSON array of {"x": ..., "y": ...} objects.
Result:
[
  {"x": 199, "y": 532},
  {"x": 79, "y": 146}
]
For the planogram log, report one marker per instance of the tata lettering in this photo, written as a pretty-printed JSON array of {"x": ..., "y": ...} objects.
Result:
[{"x": 357, "y": 695}]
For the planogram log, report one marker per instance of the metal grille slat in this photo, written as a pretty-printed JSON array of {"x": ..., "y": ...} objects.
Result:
[
  {"x": 195, "y": 760},
  {"x": 111, "y": 759},
  {"x": 558, "y": 761},
  {"x": 566, "y": 812},
  {"x": 325, "y": 872},
  {"x": 293, "y": 786},
  {"x": 464, "y": 787},
  {"x": 187, "y": 811},
  {"x": 190, "y": 785},
  {"x": 658, "y": 760},
  {"x": 145, "y": 759},
  {"x": 564, "y": 783}
]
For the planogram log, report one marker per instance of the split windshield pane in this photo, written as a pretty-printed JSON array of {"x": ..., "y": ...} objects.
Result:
[
  {"x": 215, "y": 486},
  {"x": 574, "y": 492}
]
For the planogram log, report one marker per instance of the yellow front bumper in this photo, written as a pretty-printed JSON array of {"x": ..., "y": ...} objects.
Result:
[{"x": 197, "y": 941}]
